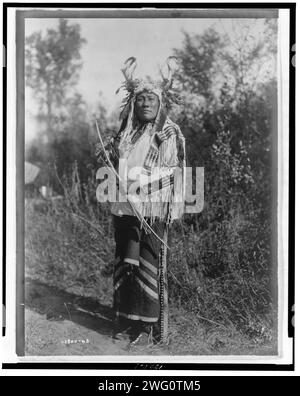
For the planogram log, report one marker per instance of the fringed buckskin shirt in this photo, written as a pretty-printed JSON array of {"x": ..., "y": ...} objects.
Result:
[{"x": 156, "y": 150}]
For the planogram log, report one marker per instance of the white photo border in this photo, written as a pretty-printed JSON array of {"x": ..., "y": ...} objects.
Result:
[{"x": 14, "y": 294}]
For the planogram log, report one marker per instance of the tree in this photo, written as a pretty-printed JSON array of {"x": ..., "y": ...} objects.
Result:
[
  {"x": 52, "y": 67},
  {"x": 227, "y": 119},
  {"x": 197, "y": 57},
  {"x": 228, "y": 84},
  {"x": 53, "y": 62}
]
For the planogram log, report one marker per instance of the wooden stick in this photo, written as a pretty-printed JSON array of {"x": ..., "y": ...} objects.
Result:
[{"x": 163, "y": 290}]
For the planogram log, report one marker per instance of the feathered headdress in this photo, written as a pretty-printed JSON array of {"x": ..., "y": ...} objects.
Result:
[{"x": 163, "y": 89}]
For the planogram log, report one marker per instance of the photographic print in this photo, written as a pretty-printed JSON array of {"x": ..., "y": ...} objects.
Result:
[{"x": 150, "y": 153}]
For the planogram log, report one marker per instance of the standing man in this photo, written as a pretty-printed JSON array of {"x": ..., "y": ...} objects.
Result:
[{"x": 152, "y": 150}]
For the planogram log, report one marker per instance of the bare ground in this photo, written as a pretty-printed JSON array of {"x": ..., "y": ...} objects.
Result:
[
  {"x": 58, "y": 323},
  {"x": 61, "y": 324}
]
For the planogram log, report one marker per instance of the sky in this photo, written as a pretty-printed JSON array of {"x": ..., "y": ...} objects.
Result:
[{"x": 109, "y": 42}]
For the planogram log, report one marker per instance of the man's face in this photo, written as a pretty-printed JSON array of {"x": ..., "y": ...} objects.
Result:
[{"x": 146, "y": 106}]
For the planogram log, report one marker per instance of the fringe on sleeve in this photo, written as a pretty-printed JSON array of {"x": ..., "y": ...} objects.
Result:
[{"x": 172, "y": 155}]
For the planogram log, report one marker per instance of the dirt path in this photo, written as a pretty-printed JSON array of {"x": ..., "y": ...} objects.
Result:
[
  {"x": 61, "y": 324},
  {"x": 58, "y": 323}
]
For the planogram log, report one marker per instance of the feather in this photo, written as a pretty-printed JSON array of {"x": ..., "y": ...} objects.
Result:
[{"x": 129, "y": 68}]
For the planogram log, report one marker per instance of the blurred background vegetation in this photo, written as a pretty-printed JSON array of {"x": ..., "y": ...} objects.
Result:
[{"x": 222, "y": 264}]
